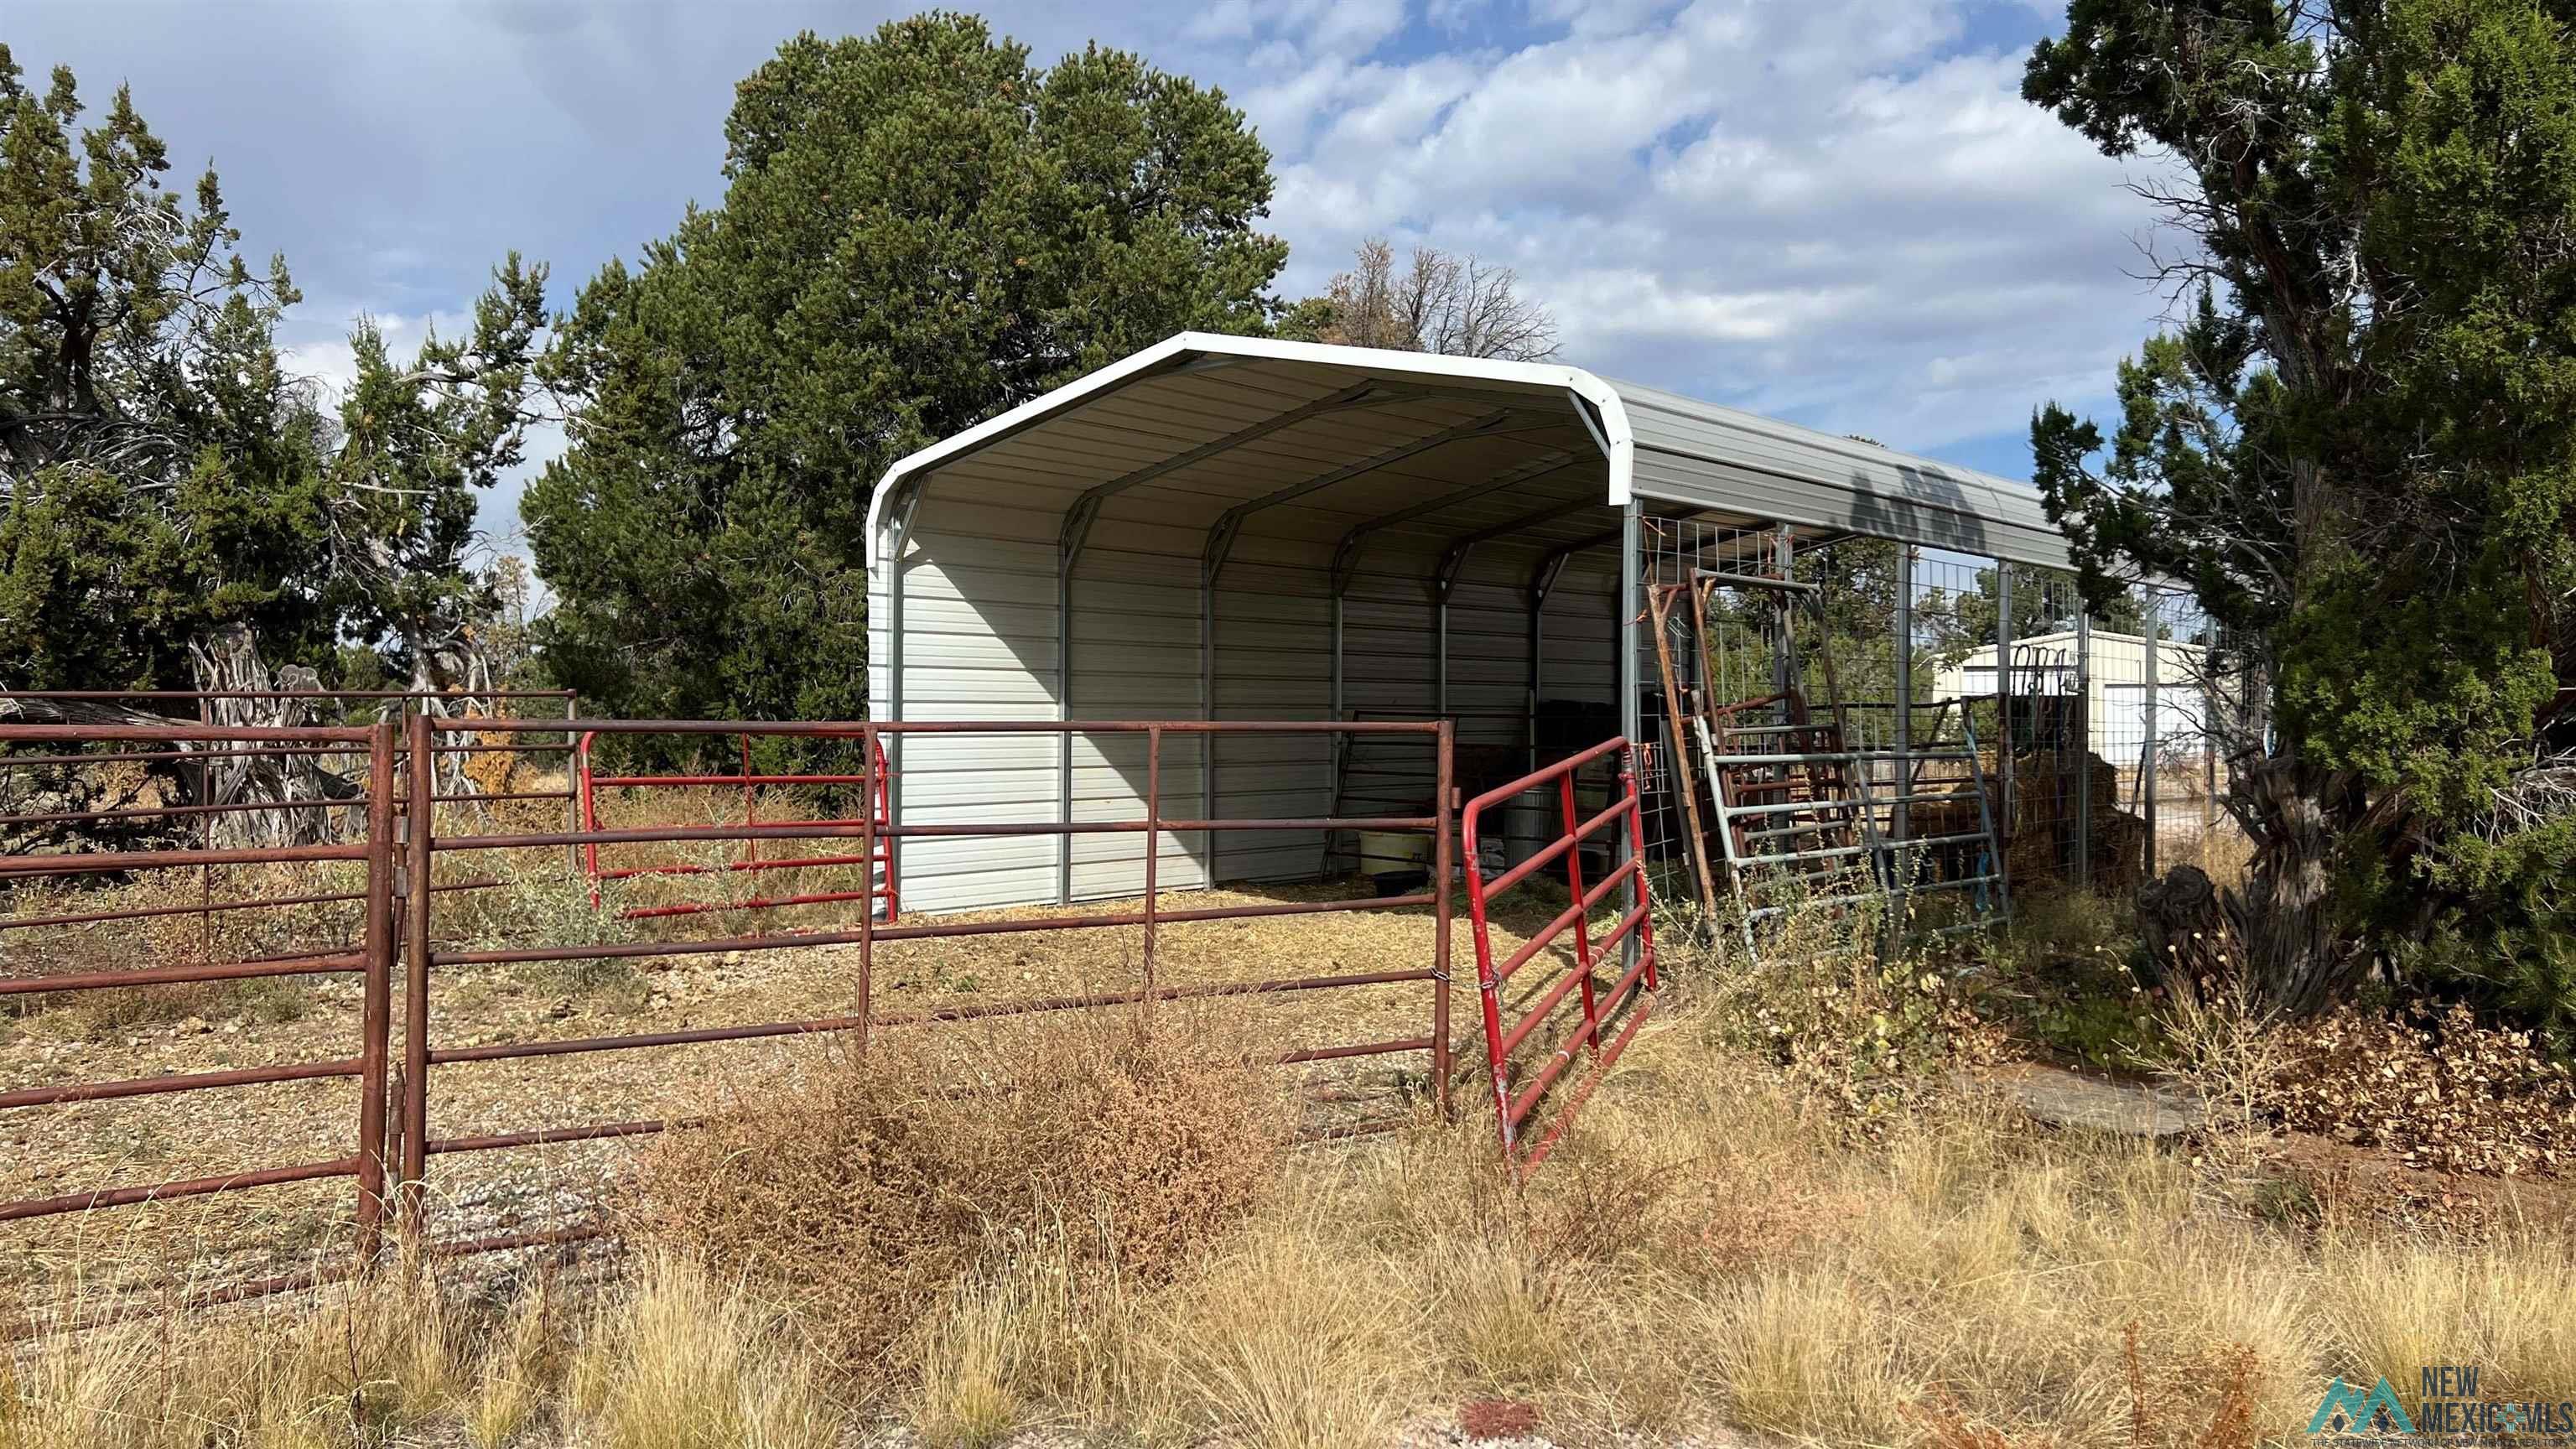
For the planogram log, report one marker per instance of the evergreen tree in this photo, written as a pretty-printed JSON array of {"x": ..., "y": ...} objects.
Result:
[
  {"x": 165, "y": 481},
  {"x": 160, "y": 475},
  {"x": 919, "y": 230},
  {"x": 2359, "y": 449}
]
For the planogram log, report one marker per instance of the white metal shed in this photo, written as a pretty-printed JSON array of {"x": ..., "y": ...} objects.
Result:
[{"x": 1236, "y": 528}]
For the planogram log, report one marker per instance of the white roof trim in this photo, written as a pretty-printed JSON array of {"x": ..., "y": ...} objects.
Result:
[
  {"x": 1702, "y": 455},
  {"x": 1620, "y": 446}
]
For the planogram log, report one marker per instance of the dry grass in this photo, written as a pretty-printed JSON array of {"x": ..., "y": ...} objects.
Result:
[
  {"x": 672, "y": 1359},
  {"x": 1709, "y": 1249},
  {"x": 1090, "y": 1226},
  {"x": 1117, "y": 1143},
  {"x": 687, "y": 1361}
]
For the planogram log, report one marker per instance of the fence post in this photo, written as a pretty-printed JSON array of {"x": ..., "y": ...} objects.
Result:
[
  {"x": 422, "y": 816},
  {"x": 374, "y": 1021},
  {"x": 1898, "y": 819},
  {"x": 576, "y": 765},
  {"x": 2083, "y": 733},
  {"x": 1154, "y": 840},
  {"x": 2004, "y": 741},
  {"x": 2147, "y": 757},
  {"x": 1444, "y": 827},
  {"x": 206, "y": 835},
  {"x": 868, "y": 881}
]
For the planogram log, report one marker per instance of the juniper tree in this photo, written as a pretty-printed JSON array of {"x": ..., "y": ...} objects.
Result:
[
  {"x": 919, "y": 229},
  {"x": 164, "y": 479},
  {"x": 2357, "y": 448}
]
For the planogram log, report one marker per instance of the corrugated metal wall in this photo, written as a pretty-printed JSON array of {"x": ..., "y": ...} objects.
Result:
[{"x": 979, "y": 634}]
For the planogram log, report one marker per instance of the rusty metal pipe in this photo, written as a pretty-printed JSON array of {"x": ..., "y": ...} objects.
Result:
[
  {"x": 183, "y": 1082},
  {"x": 935, "y": 727},
  {"x": 192, "y": 1187},
  {"x": 137, "y": 913},
  {"x": 852, "y": 829},
  {"x": 166, "y": 756},
  {"x": 193, "y": 695},
  {"x": 921, "y": 932},
  {"x": 280, "y": 734},
  {"x": 1362, "y": 1049},
  {"x": 507, "y": 1051},
  {"x": 547, "y": 1136},
  {"x": 375, "y": 1019},
  {"x": 421, "y": 820},
  {"x": 167, "y": 975},
  {"x": 119, "y": 861},
  {"x": 152, "y": 812}
]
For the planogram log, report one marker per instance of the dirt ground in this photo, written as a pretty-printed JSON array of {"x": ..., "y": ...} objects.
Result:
[{"x": 48, "y": 1151}]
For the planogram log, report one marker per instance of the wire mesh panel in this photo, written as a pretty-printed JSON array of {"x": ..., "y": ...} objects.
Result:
[
  {"x": 2183, "y": 721},
  {"x": 2085, "y": 740}
]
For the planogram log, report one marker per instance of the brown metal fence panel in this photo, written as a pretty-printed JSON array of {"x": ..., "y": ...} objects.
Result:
[
  {"x": 64, "y": 750},
  {"x": 426, "y": 953}
]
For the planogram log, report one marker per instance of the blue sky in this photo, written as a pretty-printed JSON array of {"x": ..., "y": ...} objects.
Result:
[{"x": 1835, "y": 211}]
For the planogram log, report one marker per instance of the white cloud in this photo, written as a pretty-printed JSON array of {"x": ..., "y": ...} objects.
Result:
[
  {"x": 1825, "y": 208},
  {"x": 1834, "y": 208}
]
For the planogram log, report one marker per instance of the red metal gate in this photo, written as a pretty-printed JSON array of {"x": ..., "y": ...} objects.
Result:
[
  {"x": 1514, "y": 1102},
  {"x": 878, "y": 856}
]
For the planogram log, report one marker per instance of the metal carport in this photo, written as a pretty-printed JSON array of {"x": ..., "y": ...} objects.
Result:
[{"x": 1236, "y": 528}]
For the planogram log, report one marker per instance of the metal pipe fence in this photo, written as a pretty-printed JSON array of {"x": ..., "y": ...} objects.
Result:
[
  {"x": 400, "y": 937},
  {"x": 367, "y": 956},
  {"x": 878, "y": 860},
  {"x": 426, "y": 954},
  {"x": 1518, "y": 1095}
]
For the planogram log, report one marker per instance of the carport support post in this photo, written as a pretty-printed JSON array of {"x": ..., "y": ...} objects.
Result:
[
  {"x": 1336, "y": 749},
  {"x": 1443, "y": 868},
  {"x": 1207, "y": 711},
  {"x": 901, "y": 540},
  {"x": 1440, "y": 648},
  {"x": 1632, "y": 605},
  {"x": 1897, "y": 816},
  {"x": 1529, "y": 695},
  {"x": 1064, "y": 557}
]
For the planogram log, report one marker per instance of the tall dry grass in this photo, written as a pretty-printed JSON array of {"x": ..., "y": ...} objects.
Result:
[
  {"x": 1091, "y": 1228},
  {"x": 671, "y": 1358},
  {"x": 1117, "y": 1145}
]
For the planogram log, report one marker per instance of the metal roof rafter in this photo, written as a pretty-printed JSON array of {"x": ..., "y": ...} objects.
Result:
[
  {"x": 1221, "y": 535},
  {"x": 1454, "y": 557},
  {"x": 1079, "y": 516},
  {"x": 1346, "y": 553}
]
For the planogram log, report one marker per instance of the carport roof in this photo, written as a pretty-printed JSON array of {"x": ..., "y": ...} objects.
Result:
[{"x": 1250, "y": 426}]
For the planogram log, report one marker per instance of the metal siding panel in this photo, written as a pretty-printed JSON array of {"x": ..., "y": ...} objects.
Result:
[{"x": 1707, "y": 456}]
